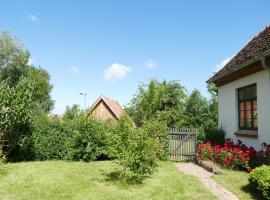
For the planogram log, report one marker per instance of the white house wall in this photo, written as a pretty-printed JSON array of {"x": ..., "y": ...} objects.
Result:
[{"x": 228, "y": 107}]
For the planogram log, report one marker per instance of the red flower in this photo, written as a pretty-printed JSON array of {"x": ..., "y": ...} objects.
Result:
[{"x": 249, "y": 169}]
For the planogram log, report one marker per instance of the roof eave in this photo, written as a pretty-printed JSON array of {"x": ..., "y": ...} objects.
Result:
[{"x": 235, "y": 68}]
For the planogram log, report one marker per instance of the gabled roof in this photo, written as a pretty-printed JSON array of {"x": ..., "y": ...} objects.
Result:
[
  {"x": 258, "y": 46},
  {"x": 113, "y": 105}
]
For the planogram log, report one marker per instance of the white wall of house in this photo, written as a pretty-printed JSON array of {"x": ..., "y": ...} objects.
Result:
[{"x": 228, "y": 107}]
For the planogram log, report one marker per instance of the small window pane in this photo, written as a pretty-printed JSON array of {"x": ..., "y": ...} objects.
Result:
[
  {"x": 254, "y": 104},
  {"x": 248, "y": 123},
  {"x": 248, "y": 114},
  {"x": 255, "y": 114},
  {"x": 241, "y": 95},
  {"x": 242, "y": 114},
  {"x": 248, "y": 105},
  {"x": 242, "y": 123},
  {"x": 254, "y": 92},
  {"x": 242, "y": 106},
  {"x": 255, "y": 123}
]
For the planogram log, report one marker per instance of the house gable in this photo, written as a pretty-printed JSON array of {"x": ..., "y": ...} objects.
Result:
[{"x": 105, "y": 109}]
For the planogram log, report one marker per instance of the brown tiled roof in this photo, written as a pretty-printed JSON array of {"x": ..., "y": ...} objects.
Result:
[
  {"x": 256, "y": 47},
  {"x": 113, "y": 105}
]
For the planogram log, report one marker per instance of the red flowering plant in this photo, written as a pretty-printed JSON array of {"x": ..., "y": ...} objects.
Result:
[{"x": 234, "y": 155}]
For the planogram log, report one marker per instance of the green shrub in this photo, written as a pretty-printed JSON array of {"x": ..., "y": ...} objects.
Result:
[
  {"x": 159, "y": 131},
  {"x": 137, "y": 150},
  {"x": 260, "y": 178},
  {"x": 15, "y": 112},
  {"x": 215, "y": 135},
  {"x": 49, "y": 139},
  {"x": 90, "y": 140}
]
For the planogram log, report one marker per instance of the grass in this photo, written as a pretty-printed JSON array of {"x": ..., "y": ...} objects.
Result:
[
  {"x": 237, "y": 182},
  {"x": 96, "y": 180}
]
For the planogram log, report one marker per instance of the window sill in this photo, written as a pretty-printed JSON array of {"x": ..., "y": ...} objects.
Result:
[{"x": 246, "y": 133}]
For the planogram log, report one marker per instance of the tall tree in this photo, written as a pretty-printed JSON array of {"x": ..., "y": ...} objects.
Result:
[
  {"x": 196, "y": 110},
  {"x": 14, "y": 64},
  {"x": 163, "y": 100}
]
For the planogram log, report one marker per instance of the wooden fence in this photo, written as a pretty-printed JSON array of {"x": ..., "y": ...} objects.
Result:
[{"x": 182, "y": 144}]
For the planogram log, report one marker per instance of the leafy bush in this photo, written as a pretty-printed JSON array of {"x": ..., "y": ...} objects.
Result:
[
  {"x": 90, "y": 140},
  {"x": 137, "y": 150},
  {"x": 15, "y": 112},
  {"x": 260, "y": 178},
  {"x": 215, "y": 135},
  {"x": 49, "y": 139},
  {"x": 159, "y": 131}
]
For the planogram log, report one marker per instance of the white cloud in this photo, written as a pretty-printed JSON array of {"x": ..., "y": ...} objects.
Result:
[
  {"x": 75, "y": 70},
  {"x": 222, "y": 63},
  {"x": 116, "y": 72},
  {"x": 149, "y": 64},
  {"x": 33, "y": 18}
]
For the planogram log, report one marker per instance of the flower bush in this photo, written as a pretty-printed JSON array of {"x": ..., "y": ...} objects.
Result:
[{"x": 234, "y": 155}]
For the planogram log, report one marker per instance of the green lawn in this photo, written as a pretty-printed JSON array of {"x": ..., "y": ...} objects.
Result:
[
  {"x": 237, "y": 182},
  {"x": 78, "y": 180}
]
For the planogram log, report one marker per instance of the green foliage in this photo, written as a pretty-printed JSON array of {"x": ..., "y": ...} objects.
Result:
[
  {"x": 14, "y": 64},
  {"x": 137, "y": 150},
  {"x": 49, "y": 139},
  {"x": 216, "y": 135},
  {"x": 161, "y": 100},
  {"x": 260, "y": 178},
  {"x": 89, "y": 140},
  {"x": 72, "y": 112},
  {"x": 195, "y": 112},
  {"x": 15, "y": 113},
  {"x": 159, "y": 131}
]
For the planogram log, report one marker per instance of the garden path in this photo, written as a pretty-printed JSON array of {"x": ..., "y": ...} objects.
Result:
[{"x": 205, "y": 178}]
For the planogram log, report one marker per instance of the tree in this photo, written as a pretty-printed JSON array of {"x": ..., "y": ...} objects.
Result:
[
  {"x": 15, "y": 112},
  {"x": 72, "y": 112},
  {"x": 196, "y": 110},
  {"x": 14, "y": 64},
  {"x": 162, "y": 100}
]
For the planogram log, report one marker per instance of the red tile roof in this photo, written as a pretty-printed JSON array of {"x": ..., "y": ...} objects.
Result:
[{"x": 259, "y": 45}]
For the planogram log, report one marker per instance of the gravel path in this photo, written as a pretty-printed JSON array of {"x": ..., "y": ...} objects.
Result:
[{"x": 205, "y": 178}]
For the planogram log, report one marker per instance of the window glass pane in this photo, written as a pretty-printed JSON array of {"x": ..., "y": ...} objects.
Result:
[
  {"x": 242, "y": 114},
  {"x": 242, "y": 106},
  {"x": 248, "y": 105},
  {"x": 241, "y": 94},
  {"x": 255, "y": 104},
  {"x": 248, "y": 114},
  {"x": 254, "y": 92},
  {"x": 255, "y": 123},
  {"x": 248, "y": 92},
  {"x": 248, "y": 123},
  {"x": 242, "y": 123},
  {"x": 255, "y": 114}
]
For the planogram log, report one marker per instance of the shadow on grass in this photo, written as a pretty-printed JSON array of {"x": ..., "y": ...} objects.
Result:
[
  {"x": 124, "y": 178},
  {"x": 250, "y": 189}
]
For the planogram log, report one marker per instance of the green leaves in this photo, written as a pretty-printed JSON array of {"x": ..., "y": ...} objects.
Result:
[
  {"x": 162, "y": 100},
  {"x": 15, "y": 110}
]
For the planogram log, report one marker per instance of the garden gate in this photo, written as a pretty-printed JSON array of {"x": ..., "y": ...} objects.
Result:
[{"x": 182, "y": 143}]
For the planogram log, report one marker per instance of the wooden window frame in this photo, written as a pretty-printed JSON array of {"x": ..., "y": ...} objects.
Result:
[{"x": 251, "y": 100}]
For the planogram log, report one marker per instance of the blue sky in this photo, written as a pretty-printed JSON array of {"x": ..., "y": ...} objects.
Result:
[{"x": 108, "y": 47}]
